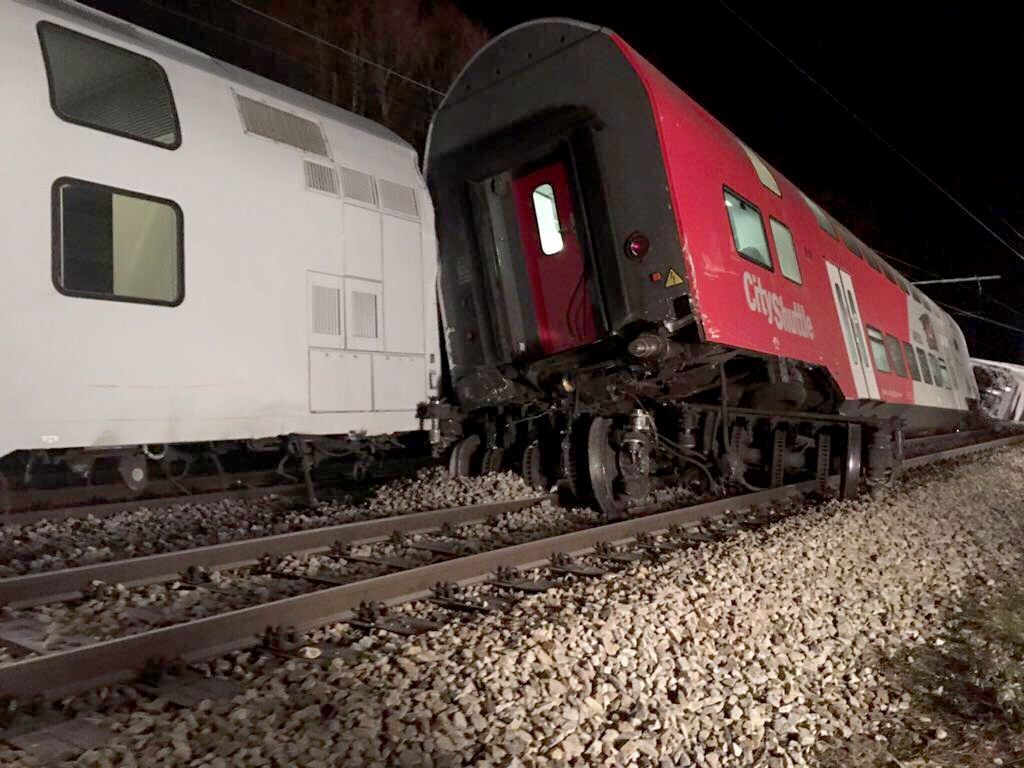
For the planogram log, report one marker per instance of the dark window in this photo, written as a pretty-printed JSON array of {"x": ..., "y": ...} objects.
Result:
[
  {"x": 943, "y": 376},
  {"x": 877, "y": 344},
  {"x": 892, "y": 346},
  {"x": 850, "y": 241},
  {"x": 747, "y": 229},
  {"x": 936, "y": 371},
  {"x": 915, "y": 372},
  {"x": 820, "y": 215},
  {"x": 922, "y": 360},
  {"x": 118, "y": 245},
  {"x": 101, "y": 86}
]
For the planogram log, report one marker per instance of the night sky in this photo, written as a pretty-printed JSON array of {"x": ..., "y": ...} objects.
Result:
[{"x": 939, "y": 81}]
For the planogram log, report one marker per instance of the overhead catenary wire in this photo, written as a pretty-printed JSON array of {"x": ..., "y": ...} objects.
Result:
[
  {"x": 308, "y": 66},
  {"x": 889, "y": 145},
  {"x": 322, "y": 41}
]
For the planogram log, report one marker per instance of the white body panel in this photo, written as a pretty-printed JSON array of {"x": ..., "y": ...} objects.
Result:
[{"x": 243, "y": 355}]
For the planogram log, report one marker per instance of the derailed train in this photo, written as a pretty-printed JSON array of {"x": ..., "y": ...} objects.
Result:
[
  {"x": 200, "y": 259},
  {"x": 633, "y": 298}
]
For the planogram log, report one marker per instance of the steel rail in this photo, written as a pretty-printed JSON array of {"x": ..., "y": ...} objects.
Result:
[
  {"x": 106, "y": 509},
  {"x": 51, "y": 586},
  {"x": 118, "y": 660}
]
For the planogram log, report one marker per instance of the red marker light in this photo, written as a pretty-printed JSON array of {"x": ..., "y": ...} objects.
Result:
[
  {"x": 656, "y": 277},
  {"x": 637, "y": 246}
]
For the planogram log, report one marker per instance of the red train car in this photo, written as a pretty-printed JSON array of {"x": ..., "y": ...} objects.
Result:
[{"x": 625, "y": 280}]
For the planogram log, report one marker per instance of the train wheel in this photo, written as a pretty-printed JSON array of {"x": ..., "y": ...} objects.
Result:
[
  {"x": 533, "y": 467},
  {"x": 492, "y": 461},
  {"x": 460, "y": 463},
  {"x": 603, "y": 470}
]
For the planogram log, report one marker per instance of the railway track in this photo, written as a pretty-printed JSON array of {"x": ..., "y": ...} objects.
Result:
[{"x": 120, "y": 659}]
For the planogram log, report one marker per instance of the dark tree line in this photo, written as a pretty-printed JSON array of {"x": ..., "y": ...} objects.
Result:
[{"x": 323, "y": 47}]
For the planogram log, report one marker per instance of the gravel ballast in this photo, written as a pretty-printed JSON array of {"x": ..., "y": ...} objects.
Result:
[
  {"x": 772, "y": 648},
  {"x": 50, "y": 545}
]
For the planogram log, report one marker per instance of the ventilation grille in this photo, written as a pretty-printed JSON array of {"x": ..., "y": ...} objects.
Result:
[
  {"x": 279, "y": 125},
  {"x": 358, "y": 186},
  {"x": 364, "y": 315},
  {"x": 321, "y": 177},
  {"x": 398, "y": 198},
  {"x": 326, "y": 310}
]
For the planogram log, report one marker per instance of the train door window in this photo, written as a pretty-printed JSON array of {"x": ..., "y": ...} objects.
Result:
[
  {"x": 102, "y": 86},
  {"x": 892, "y": 346},
  {"x": 786, "y": 251},
  {"x": 747, "y": 230},
  {"x": 820, "y": 215},
  {"x": 922, "y": 360},
  {"x": 943, "y": 372},
  {"x": 915, "y": 372},
  {"x": 546, "y": 213},
  {"x": 764, "y": 173},
  {"x": 116, "y": 245},
  {"x": 877, "y": 342}
]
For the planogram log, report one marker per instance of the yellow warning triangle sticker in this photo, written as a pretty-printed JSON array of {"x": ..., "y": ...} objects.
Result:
[{"x": 673, "y": 279}]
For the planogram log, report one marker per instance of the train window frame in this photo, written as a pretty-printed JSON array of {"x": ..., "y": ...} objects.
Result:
[
  {"x": 764, "y": 173},
  {"x": 41, "y": 30},
  {"x": 541, "y": 239},
  {"x": 744, "y": 204},
  {"x": 944, "y": 371},
  {"x": 821, "y": 217},
  {"x": 795, "y": 261},
  {"x": 911, "y": 358},
  {"x": 850, "y": 241},
  {"x": 57, "y": 244},
  {"x": 892, "y": 346},
  {"x": 882, "y": 362},
  {"x": 922, "y": 364}
]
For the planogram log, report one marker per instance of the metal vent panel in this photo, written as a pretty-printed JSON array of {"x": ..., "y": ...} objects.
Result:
[
  {"x": 358, "y": 186},
  {"x": 364, "y": 315},
  {"x": 283, "y": 126},
  {"x": 326, "y": 310},
  {"x": 398, "y": 198},
  {"x": 323, "y": 178}
]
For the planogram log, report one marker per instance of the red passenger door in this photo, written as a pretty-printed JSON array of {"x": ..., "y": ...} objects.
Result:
[{"x": 554, "y": 258}]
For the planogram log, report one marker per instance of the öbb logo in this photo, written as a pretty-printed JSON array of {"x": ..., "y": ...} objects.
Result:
[{"x": 790, "y": 319}]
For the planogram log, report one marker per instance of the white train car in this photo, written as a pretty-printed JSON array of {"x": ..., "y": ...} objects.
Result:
[
  {"x": 194, "y": 253},
  {"x": 1001, "y": 387}
]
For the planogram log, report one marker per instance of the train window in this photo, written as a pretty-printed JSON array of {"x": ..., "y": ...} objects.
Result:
[
  {"x": 823, "y": 220},
  {"x": 851, "y": 242},
  {"x": 877, "y": 343},
  {"x": 922, "y": 360},
  {"x": 102, "y": 86},
  {"x": 747, "y": 230},
  {"x": 938, "y": 364},
  {"x": 117, "y": 245},
  {"x": 764, "y": 173},
  {"x": 892, "y": 346},
  {"x": 915, "y": 372},
  {"x": 785, "y": 250},
  {"x": 546, "y": 213}
]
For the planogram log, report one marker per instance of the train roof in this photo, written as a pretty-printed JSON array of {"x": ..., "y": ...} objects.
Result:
[{"x": 171, "y": 49}]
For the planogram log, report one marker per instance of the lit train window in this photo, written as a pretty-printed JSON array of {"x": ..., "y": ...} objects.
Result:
[
  {"x": 99, "y": 85},
  {"x": 786, "y": 251},
  {"x": 892, "y": 346},
  {"x": 877, "y": 343},
  {"x": 747, "y": 230},
  {"x": 764, "y": 173},
  {"x": 546, "y": 212},
  {"x": 823, "y": 220},
  {"x": 116, "y": 245},
  {"x": 922, "y": 360},
  {"x": 915, "y": 372}
]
